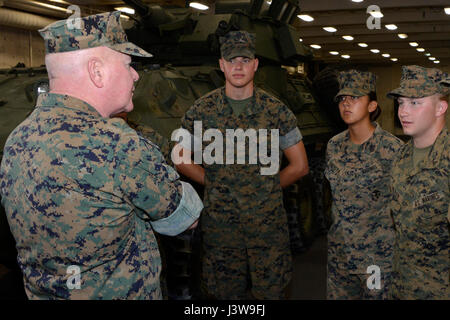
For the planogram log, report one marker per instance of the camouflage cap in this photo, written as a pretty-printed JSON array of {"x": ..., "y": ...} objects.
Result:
[
  {"x": 419, "y": 82},
  {"x": 98, "y": 30},
  {"x": 237, "y": 44},
  {"x": 356, "y": 83},
  {"x": 445, "y": 84}
]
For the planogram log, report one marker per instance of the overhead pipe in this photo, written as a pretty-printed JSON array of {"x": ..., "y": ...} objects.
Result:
[{"x": 23, "y": 20}]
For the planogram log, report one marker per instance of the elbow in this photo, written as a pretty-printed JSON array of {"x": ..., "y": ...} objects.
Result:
[{"x": 303, "y": 171}]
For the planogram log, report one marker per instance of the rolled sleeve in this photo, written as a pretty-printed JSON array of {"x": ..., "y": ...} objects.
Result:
[
  {"x": 291, "y": 138},
  {"x": 187, "y": 212}
]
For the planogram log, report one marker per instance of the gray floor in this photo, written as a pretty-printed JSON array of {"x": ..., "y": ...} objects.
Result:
[{"x": 310, "y": 272}]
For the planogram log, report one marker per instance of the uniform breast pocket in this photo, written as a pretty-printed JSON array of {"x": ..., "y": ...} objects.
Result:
[{"x": 432, "y": 209}]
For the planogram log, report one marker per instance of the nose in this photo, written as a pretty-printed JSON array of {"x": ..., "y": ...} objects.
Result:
[
  {"x": 403, "y": 110},
  {"x": 135, "y": 75}
]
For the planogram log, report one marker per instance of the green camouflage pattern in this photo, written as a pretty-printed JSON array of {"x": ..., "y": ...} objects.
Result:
[
  {"x": 356, "y": 83},
  {"x": 242, "y": 208},
  {"x": 418, "y": 82},
  {"x": 420, "y": 207},
  {"x": 361, "y": 233},
  {"x": 89, "y": 32},
  {"x": 83, "y": 190},
  {"x": 237, "y": 44}
]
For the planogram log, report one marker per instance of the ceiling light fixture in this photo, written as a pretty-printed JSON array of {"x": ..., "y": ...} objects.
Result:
[
  {"x": 315, "y": 46},
  {"x": 447, "y": 10},
  {"x": 391, "y": 27},
  {"x": 413, "y": 44},
  {"x": 50, "y": 6},
  {"x": 402, "y": 35},
  {"x": 436, "y": 61},
  {"x": 348, "y": 38},
  {"x": 363, "y": 45},
  {"x": 357, "y": 0},
  {"x": 376, "y": 14},
  {"x": 420, "y": 49},
  {"x": 305, "y": 17},
  {"x": 375, "y": 50},
  {"x": 427, "y": 54},
  {"x": 198, "y": 5},
  {"x": 394, "y": 59},
  {"x": 386, "y": 55},
  {"x": 432, "y": 58},
  {"x": 334, "y": 53},
  {"x": 345, "y": 56},
  {"x": 301, "y": 40},
  {"x": 125, "y": 10},
  {"x": 330, "y": 29}
]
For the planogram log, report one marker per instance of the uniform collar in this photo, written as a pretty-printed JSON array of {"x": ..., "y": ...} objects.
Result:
[
  {"x": 369, "y": 146},
  {"x": 254, "y": 108},
  {"x": 65, "y": 101}
]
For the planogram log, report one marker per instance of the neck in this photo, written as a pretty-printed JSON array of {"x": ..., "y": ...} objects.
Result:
[
  {"x": 239, "y": 93},
  {"x": 361, "y": 132},
  {"x": 430, "y": 137}
]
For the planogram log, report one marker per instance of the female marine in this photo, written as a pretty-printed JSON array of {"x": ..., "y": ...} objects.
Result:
[{"x": 360, "y": 239}]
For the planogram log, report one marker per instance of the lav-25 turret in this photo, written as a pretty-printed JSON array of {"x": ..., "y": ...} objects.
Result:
[{"x": 186, "y": 49}]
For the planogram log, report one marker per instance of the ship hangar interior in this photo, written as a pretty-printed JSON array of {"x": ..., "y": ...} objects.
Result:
[{"x": 378, "y": 36}]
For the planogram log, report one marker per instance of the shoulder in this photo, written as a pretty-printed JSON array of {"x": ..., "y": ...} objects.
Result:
[
  {"x": 270, "y": 102},
  {"x": 204, "y": 104},
  {"x": 388, "y": 139}
]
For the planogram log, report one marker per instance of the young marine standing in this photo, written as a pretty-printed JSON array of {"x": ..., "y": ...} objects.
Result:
[
  {"x": 358, "y": 165},
  {"x": 245, "y": 231},
  {"x": 420, "y": 188}
]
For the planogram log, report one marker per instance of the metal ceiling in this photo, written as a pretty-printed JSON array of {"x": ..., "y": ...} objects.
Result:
[{"x": 424, "y": 21}]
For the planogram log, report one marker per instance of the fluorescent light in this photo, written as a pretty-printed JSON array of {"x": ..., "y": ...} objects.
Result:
[
  {"x": 436, "y": 61},
  {"x": 376, "y": 14},
  {"x": 363, "y": 45},
  {"x": 345, "y": 56},
  {"x": 391, "y": 27},
  {"x": 427, "y": 54},
  {"x": 431, "y": 58},
  {"x": 334, "y": 53},
  {"x": 50, "y": 6},
  {"x": 306, "y": 17},
  {"x": 315, "y": 46},
  {"x": 375, "y": 50},
  {"x": 402, "y": 35},
  {"x": 357, "y": 0},
  {"x": 413, "y": 44},
  {"x": 420, "y": 49},
  {"x": 447, "y": 10},
  {"x": 394, "y": 59},
  {"x": 348, "y": 38},
  {"x": 199, "y": 6},
  {"x": 329, "y": 29},
  {"x": 125, "y": 10},
  {"x": 386, "y": 55}
]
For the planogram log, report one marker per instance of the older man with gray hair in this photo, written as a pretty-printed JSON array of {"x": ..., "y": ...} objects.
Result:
[{"x": 83, "y": 192}]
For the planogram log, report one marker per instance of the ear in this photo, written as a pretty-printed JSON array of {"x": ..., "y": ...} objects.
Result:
[
  {"x": 256, "y": 64},
  {"x": 372, "y": 106},
  {"x": 442, "y": 107},
  {"x": 96, "y": 72},
  {"x": 221, "y": 65}
]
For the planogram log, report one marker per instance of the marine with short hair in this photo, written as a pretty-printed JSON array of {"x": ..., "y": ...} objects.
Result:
[
  {"x": 420, "y": 188},
  {"x": 83, "y": 192},
  {"x": 244, "y": 224}
]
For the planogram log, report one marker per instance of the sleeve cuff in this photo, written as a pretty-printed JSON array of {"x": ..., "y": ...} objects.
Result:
[
  {"x": 291, "y": 138},
  {"x": 184, "y": 216}
]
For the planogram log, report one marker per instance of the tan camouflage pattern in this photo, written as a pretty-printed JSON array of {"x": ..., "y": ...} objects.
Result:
[
  {"x": 237, "y": 44},
  {"x": 361, "y": 233},
  {"x": 418, "y": 82},
  {"x": 420, "y": 207},
  {"x": 356, "y": 83},
  {"x": 242, "y": 208},
  {"x": 80, "y": 189},
  {"x": 445, "y": 84},
  {"x": 89, "y": 32}
]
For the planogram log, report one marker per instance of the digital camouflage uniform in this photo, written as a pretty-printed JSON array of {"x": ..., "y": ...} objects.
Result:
[
  {"x": 361, "y": 234},
  {"x": 420, "y": 204},
  {"x": 244, "y": 224},
  {"x": 85, "y": 191}
]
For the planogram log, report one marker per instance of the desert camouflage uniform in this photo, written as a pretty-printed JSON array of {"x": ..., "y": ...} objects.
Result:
[
  {"x": 420, "y": 205},
  {"x": 87, "y": 192},
  {"x": 244, "y": 224},
  {"x": 362, "y": 233}
]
